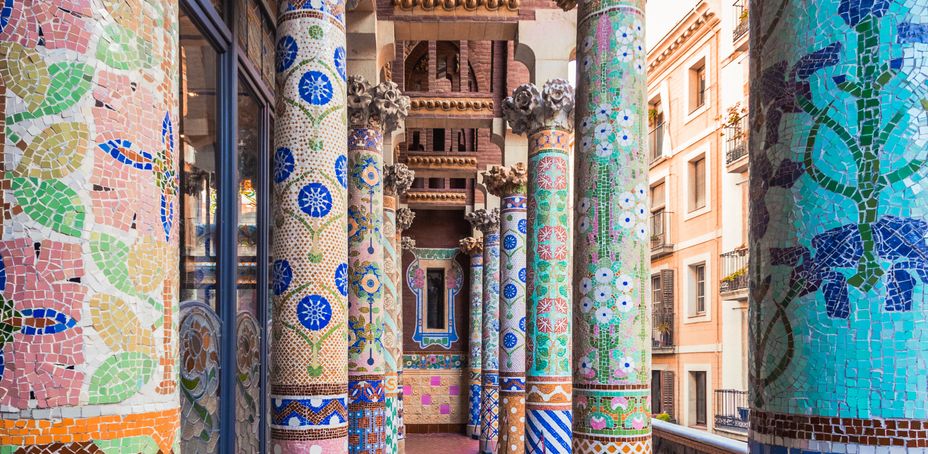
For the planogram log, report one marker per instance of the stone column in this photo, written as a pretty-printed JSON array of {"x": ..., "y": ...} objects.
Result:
[
  {"x": 397, "y": 180},
  {"x": 838, "y": 340},
  {"x": 89, "y": 240},
  {"x": 509, "y": 185},
  {"x": 473, "y": 247},
  {"x": 488, "y": 223},
  {"x": 309, "y": 381},
  {"x": 372, "y": 110},
  {"x": 547, "y": 119},
  {"x": 612, "y": 320}
]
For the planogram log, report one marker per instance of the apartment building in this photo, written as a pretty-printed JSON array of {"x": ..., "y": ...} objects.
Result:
[{"x": 697, "y": 98}]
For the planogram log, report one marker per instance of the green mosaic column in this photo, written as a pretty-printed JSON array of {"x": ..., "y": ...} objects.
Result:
[
  {"x": 371, "y": 111},
  {"x": 89, "y": 237},
  {"x": 473, "y": 247},
  {"x": 838, "y": 271},
  {"x": 397, "y": 179},
  {"x": 547, "y": 119},
  {"x": 612, "y": 264}
]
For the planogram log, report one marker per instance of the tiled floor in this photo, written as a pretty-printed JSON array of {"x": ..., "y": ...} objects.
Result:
[{"x": 440, "y": 444}]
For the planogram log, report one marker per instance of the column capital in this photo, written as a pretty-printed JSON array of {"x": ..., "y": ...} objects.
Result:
[
  {"x": 529, "y": 110},
  {"x": 397, "y": 179},
  {"x": 506, "y": 181},
  {"x": 381, "y": 106},
  {"x": 471, "y": 246},
  {"x": 404, "y": 218},
  {"x": 486, "y": 221},
  {"x": 566, "y": 5},
  {"x": 407, "y": 243}
]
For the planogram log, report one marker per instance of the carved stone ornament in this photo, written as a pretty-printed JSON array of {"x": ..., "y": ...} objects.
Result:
[
  {"x": 397, "y": 179},
  {"x": 566, "y": 5},
  {"x": 351, "y": 4},
  {"x": 529, "y": 110},
  {"x": 451, "y": 5},
  {"x": 483, "y": 220},
  {"x": 382, "y": 106},
  {"x": 404, "y": 218},
  {"x": 506, "y": 181},
  {"x": 471, "y": 246},
  {"x": 407, "y": 243}
]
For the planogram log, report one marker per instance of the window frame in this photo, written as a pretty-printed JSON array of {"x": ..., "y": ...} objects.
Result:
[
  {"x": 691, "y": 315},
  {"x": 443, "y": 302},
  {"x": 702, "y": 60},
  {"x": 704, "y": 151}
]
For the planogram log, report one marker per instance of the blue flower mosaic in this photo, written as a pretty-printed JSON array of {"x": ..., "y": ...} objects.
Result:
[
  {"x": 281, "y": 276},
  {"x": 287, "y": 50},
  {"x": 341, "y": 171},
  {"x": 522, "y": 275},
  {"x": 523, "y": 226},
  {"x": 283, "y": 164},
  {"x": 315, "y": 200},
  {"x": 316, "y": 88},
  {"x": 340, "y": 62},
  {"x": 341, "y": 279},
  {"x": 510, "y": 340},
  {"x": 314, "y": 312},
  {"x": 522, "y": 324},
  {"x": 510, "y": 291},
  {"x": 510, "y": 242}
]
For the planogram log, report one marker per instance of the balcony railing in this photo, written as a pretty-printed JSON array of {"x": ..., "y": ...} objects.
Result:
[
  {"x": 656, "y": 142},
  {"x": 742, "y": 24},
  {"x": 736, "y": 140},
  {"x": 671, "y": 438},
  {"x": 660, "y": 234},
  {"x": 734, "y": 270},
  {"x": 731, "y": 410},
  {"x": 662, "y": 326}
]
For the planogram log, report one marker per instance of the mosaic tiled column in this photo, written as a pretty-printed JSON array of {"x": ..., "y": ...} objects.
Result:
[
  {"x": 473, "y": 247},
  {"x": 838, "y": 271},
  {"x": 509, "y": 185},
  {"x": 397, "y": 179},
  {"x": 88, "y": 249},
  {"x": 404, "y": 218},
  {"x": 488, "y": 223},
  {"x": 612, "y": 316},
  {"x": 547, "y": 119},
  {"x": 309, "y": 381},
  {"x": 371, "y": 112}
]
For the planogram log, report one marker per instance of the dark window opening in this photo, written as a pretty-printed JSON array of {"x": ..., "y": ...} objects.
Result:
[
  {"x": 435, "y": 292},
  {"x": 416, "y": 142},
  {"x": 436, "y": 183},
  {"x": 459, "y": 183},
  {"x": 438, "y": 139},
  {"x": 418, "y": 183},
  {"x": 656, "y": 392},
  {"x": 699, "y": 382}
]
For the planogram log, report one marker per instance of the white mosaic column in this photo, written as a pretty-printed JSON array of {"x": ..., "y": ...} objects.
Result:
[{"x": 473, "y": 247}]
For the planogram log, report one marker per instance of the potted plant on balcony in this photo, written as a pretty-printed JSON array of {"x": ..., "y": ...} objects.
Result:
[
  {"x": 652, "y": 118},
  {"x": 731, "y": 120}
]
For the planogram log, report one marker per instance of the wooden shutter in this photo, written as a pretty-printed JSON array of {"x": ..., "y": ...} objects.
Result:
[
  {"x": 667, "y": 289},
  {"x": 667, "y": 393}
]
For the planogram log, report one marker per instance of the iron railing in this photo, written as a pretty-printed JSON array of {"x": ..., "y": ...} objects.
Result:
[
  {"x": 734, "y": 270},
  {"x": 660, "y": 230},
  {"x": 731, "y": 410},
  {"x": 736, "y": 140},
  {"x": 662, "y": 325},
  {"x": 742, "y": 24},
  {"x": 656, "y": 142}
]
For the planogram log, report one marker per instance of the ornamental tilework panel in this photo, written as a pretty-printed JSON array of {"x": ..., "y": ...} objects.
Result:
[
  {"x": 88, "y": 250},
  {"x": 612, "y": 346},
  {"x": 309, "y": 374},
  {"x": 432, "y": 258},
  {"x": 839, "y": 341},
  {"x": 435, "y": 397}
]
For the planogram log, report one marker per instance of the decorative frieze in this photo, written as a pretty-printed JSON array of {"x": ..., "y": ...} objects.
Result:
[{"x": 453, "y": 5}]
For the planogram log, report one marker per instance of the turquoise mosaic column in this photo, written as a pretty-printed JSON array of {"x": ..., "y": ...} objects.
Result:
[
  {"x": 509, "y": 185},
  {"x": 838, "y": 339},
  {"x": 371, "y": 111},
  {"x": 309, "y": 381},
  {"x": 612, "y": 264},
  {"x": 473, "y": 247},
  {"x": 547, "y": 119},
  {"x": 488, "y": 223}
]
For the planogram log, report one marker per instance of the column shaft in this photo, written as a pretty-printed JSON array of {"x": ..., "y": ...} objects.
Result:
[
  {"x": 548, "y": 387},
  {"x": 392, "y": 337},
  {"x": 612, "y": 323},
  {"x": 89, "y": 246},
  {"x": 366, "y": 356},
  {"x": 476, "y": 335},
  {"x": 838, "y": 343},
  {"x": 489, "y": 404},
  {"x": 309, "y": 382},
  {"x": 512, "y": 320}
]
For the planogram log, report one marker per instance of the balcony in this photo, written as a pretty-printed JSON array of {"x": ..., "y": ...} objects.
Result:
[
  {"x": 662, "y": 328},
  {"x": 742, "y": 24},
  {"x": 735, "y": 134},
  {"x": 656, "y": 142},
  {"x": 734, "y": 283},
  {"x": 732, "y": 411},
  {"x": 454, "y": 162},
  {"x": 660, "y": 234},
  {"x": 671, "y": 438},
  {"x": 439, "y": 192},
  {"x": 450, "y": 110}
]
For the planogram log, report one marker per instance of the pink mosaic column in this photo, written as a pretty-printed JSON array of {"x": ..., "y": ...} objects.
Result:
[
  {"x": 89, "y": 238},
  {"x": 473, "y": 247},
  {"x": 371, "y": 111},
  {"x": 509, "y": 185},
  {"x": 547, "y": 118}
]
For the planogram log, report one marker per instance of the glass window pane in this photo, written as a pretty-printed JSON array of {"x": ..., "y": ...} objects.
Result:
[
  {"x": 436, "y": 299},
  {"x": 199, "y": 325}
]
